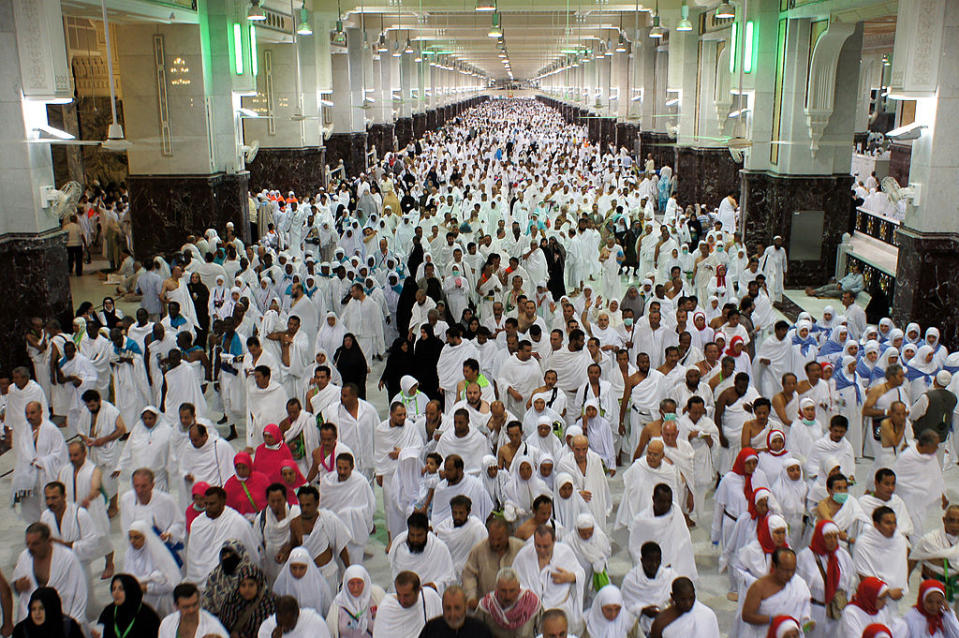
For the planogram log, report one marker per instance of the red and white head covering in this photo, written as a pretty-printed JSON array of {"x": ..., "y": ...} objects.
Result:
[
  {"x": 877, "y": 630},
  {"x": 782, "y": 625},
  {"x": 933, "y": 621}
]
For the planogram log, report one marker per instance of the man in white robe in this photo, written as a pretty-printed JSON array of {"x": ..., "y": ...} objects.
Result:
[
  {"x": 449, "y": 367},
  {"x": 832, "y": 444},
  {"x": 391, "y": 438},
  {"x": 100, "y": 427},
  {"x": 292, "y": 621},
  {"x": 23, "y": 391},
  {"x": 919, "y": 478},
  {"x": 519, "y": 375},
  {"x": 420, "y": 551},
  {"x": 152, "y": 506},
  {"x": 461, "y": 532},
  {"x": 570, "y": 364},
  {"x": 206, "y": 458},
  {"x": 642, "y": 476},
  {"x": 272, "y": 530},
  {"x": 40, "y": 455},
  {"x": 404, "y": 613},
  {"x": 363, "y": 317},
  {"x": 61, "y": 567},
  {"x": 663, "y": 522},
  {"x": 686, "y": 616},
  {"x": 589, "y": 479},
  {"x": 551, "y": 570},
  {"x": 296, "y": 356},
  {"x": 266, "y": 402},
  {"x": 150, "y": 445},
  {"x": 348, "y": 495},
  {"x": 882, "y": 551},
  {"x": 647, "y": 585},
  {"x": 774, "y": 265},
  {"x": 83, "y": 481},
  {"x": 355, "y": 420},
  {"x": 190, "y": 617},
  {"x": 181, "y": 386},
  {"x": 77, "y": 374},
  {"x": 464, "y": 441},
  {"x": 781, "y": 592},
  {"x": 458, "y": 482},
  {"x": 216, "y": 525}
]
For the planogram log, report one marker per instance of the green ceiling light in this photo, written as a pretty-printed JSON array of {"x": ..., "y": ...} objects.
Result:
[
  {"x": 725, "y": 11},
  {"x": 409, "y": 46},
  {"x": 485, "y": 5},
  {"x": 684, "y": 24},
  {"x": 254, "y": 65},
  {"x": 304, "y": 27},
  {"x": 748, "y": 48},
  {"x": 255, "y": 13},
  {"x": 621, "y": 45},
  {"x": 340, "y": 36},
  {"x": 657, "y": 31},
  {"x": 495, "y": 31},
  {"x": 732, "y": 49}
]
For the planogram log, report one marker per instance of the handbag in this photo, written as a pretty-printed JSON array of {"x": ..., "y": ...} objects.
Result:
[{"x": 839, "y": 600}]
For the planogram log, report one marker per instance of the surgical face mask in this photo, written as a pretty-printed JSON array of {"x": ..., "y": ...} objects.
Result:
[
  {"x": 627, "y": 322},
  {"x": 669, "y": 416},
  {"x": 840, "y": 497},
  {"x": 809, "y": 422}
]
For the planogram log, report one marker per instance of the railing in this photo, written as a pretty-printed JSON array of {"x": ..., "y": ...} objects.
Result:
[
  {"x": 339, "y": 172},
  {"x": 877, "y": 226}
]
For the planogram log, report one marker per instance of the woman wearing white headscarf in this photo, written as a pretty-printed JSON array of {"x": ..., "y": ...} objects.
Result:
[
  {"x": 274, "y": 320},
  {"x": 805, "y": 347},
  {"x": 790, "y": 490},
  {"x": 150, "y": 562},
  {"x": 354, "y": 608},
  {"x": 592, "y": 548},
  {"x": 331, "y": 333},
  {"x": 608, "y": 617},
  {"x": 939, "y": 351},
  {"x": 849, "y": 397},
  {"x": 921, "y": 370},
  {"x": 523, "y": 488},
  {"x": 568, "y": 504},
  {"x": 301, "y": 578}
]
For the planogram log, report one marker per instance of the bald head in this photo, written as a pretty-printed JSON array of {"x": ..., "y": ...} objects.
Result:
[{"x": 655, "y": 452}]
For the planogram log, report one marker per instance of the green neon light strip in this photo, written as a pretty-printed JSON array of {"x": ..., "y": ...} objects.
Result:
[
  {"x": 748, "y": 49},
  {"x": 254, "y": 65},
  {"x": 237, "y": 49},
  {"x": 732, "y": 49}
]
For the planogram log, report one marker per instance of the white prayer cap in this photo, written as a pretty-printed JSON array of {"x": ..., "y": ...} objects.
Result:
[
  {"x": 585, "y": 521},
  {"x": 775, "y": 521},
  {"x": 871, "y": 346},
  {"x": 647, "y": 282},
  {"x": 777, "y": 237},
  {"x": 806, "y": 403},
  {"x": 229, "y": 225},
  {"x": 943, "y": 378}
]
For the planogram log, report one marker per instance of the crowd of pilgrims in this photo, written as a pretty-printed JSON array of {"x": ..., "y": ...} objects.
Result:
[{"x": 554, "y": 318}]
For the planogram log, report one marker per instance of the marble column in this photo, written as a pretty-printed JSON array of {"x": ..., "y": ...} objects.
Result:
[
  {"x": 348, "y": 143},
  {"x": 705, "y": 175},
  {"x": 927, "y": 287}
]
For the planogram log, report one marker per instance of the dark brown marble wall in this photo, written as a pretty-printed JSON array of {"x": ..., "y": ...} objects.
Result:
[
  {"x": 607, "y": 131},
  {"x": 38, "y": 285},
  {"x": 705, "y": 175},
  {"x": 768, "y": 202},
  {"x": 94, "y": 118},
  {"x": 349, "y": 147},
  {"x": 166, "y": 208},
  {"x": 860, "y": 138},
  {"x": 594, "y": 129},
  {"x": 286, "y": 169},
  {"x": 627, "y": 136},
  {"x": 404, "y": 131},
  {"x": 380, "y": 136},
  {"x": 419, "y": 125},
  {"x": 431, "y": 120},
  {"x": 900, "y": 156},
  {"x": 927, "y": 288},
  {"x": 660, "y": 145}
]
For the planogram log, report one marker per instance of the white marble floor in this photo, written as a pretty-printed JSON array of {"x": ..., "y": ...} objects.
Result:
[{"x": 711, "y": 586}]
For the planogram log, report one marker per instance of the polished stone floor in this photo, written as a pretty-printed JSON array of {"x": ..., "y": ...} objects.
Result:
[{"x": 711, "y": 586}]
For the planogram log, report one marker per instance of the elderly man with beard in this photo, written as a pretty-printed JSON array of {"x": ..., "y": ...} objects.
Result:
[
  {"x": 420, "y": 551},
  {"x": 458, "y": 482},
  {"x": 454, "y": 623},
  {"x": 510, "y": 611},
  {"x": 642, "y": 477},
  {"x": 589, "y": 477}
]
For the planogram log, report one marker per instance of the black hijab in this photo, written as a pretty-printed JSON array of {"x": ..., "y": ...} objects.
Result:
[
  {"x": 55, "y": 623},
  {"x": 201, "y": 300},
  {"x": 398, "y": 364},
  {"x": 351, "y": 363},
  {"x": 404, "y": 307},
  {"x": 110, "y": 316},
  {"x": 133, "y": 618},
  {"x": 427, "y": 354}
]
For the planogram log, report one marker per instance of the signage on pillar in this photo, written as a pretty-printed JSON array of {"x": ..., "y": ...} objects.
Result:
[{"x": 44, "y": 72}]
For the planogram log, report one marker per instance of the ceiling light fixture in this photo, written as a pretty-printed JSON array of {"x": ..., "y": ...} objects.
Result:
[
  {"x": 409, "y": 46},
  {"x": 725, "y": 11},
  {"x": 255, "y": 13},
  {"x": 485, "y": 5},
  {"x": 621, "y": 45},
  {"x": 304, "y": 27},
  {"x": 495, "y": 31},
  {"x": 684, "y": 24}
]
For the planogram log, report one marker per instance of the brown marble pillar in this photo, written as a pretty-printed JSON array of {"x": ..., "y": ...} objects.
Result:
[
  {"x": 607, "y": 131},
  {"x": 770, "y": 203},
  {"x": 705, "y": 175},
  {"x": 431, "y": 120},
  {"x": 349, "y": 147},
  {"x": 166, "y": 208},
  {"x": 927, "y": 287},
  {"x": 404, "y": 131},
  {"x": 660, "y": 145},
  {"x": 381, "y": 137},
  {"x": 285, "y": 169},
  {"x": 900, "y": 157},
  {"x": 37, "y": 284},
  {"x": 627, "y": 136},
  {"x": 419, "y": 124}
]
